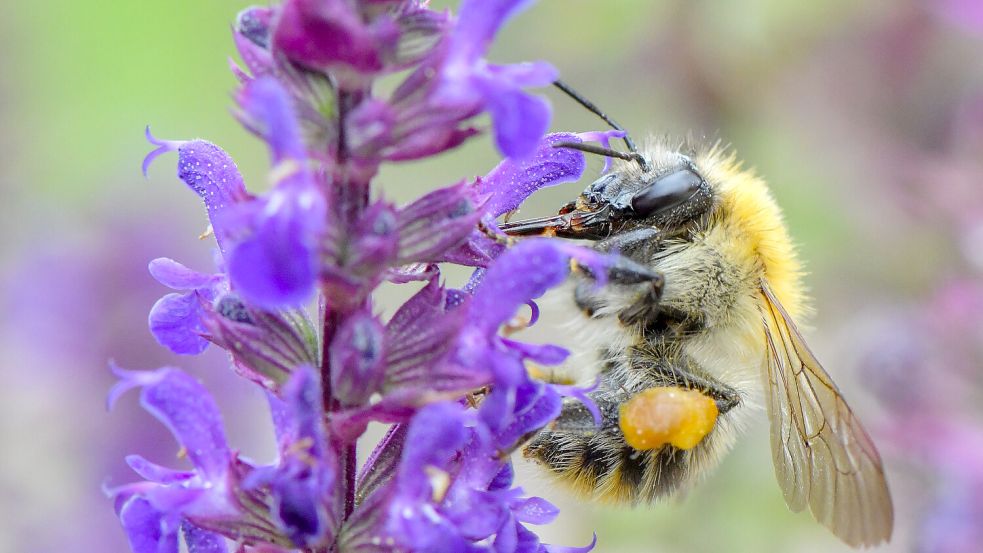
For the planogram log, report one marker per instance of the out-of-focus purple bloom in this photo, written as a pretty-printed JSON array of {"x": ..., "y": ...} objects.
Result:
[{"x": 967, "y": 14}]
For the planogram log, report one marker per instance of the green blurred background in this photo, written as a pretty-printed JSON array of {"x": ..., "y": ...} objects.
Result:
[{"x": 867, "y": 118}]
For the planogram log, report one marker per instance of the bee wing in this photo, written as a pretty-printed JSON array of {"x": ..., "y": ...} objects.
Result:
[{"x": 823, "y": 456}]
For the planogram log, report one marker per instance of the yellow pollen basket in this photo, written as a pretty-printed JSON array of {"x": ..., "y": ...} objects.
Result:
[{"x": 667, "y": 415}]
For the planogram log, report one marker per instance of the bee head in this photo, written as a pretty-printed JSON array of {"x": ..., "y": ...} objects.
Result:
[{"x": 666, "y": 196}]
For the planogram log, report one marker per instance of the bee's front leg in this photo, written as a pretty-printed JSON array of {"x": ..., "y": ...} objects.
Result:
[{"x": 634, "y": 249}]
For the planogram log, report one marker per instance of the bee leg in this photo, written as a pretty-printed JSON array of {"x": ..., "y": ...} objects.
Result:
[
  {"x": 645, "y": 309},
  {"x": 683, "y": 372},
  {"x": 637, "y": 245},
  {"x": 636, "y": 248}
]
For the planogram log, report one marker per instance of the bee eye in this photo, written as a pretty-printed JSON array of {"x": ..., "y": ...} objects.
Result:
[{"x": 666, "y": 193}]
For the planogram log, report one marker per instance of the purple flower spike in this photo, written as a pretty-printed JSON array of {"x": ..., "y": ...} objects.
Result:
[
  {"x": 441, "y": 480},
  {"x": 512, "y": 181}
]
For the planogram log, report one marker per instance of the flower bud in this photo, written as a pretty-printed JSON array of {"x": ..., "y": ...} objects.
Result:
[
  {"x": 357, "y": 358},
  {"x": 437, "y": 222}
]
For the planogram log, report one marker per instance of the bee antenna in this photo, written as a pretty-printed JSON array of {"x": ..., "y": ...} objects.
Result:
[
  {"x": 602, "y": 151},
  {"x": 577, "y": 97}
]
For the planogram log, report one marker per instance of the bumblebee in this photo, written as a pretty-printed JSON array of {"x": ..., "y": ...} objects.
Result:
[{"x": 705, "y": 299}]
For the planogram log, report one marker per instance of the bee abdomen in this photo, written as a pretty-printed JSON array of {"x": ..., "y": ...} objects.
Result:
[{"x": 604, "y": 467}]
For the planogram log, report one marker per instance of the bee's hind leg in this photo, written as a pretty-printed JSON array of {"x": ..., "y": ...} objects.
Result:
[{"x": 684, "y": 373}]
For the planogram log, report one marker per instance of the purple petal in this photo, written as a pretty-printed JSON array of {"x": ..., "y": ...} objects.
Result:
[
  {"x": 254, "y": 24},
  {"x": 189, "y": 412},
  {"x": 202, "y": 541},
  {"x": 546, "y": 354},
  {"x": 275, "y": 267},
  {"x": 604, "y": 137},
  {"x": 478, "y": 21},
  {"x": 268, "y": 111},
  {"x": 514, "y": 180},
  {"x": 581, "y": 395},
  {"x": 503, "y": 480},
  {"x": 478, "y": 251},
  {"x": 176, "y": 276},
  {"x": 519, "y": 119},
  {"x": 301, "y": 483},
  {"x": 175, "y": 321},
  {"x": 211, "y": 173},
  {"x": 535, "y": 510},
  {"x": 281, "y": 421},
  {"x": 570, "y": 549},
  {"x": 507, "y": 538},
  {"x": 156, "y": 473},
  {"x": 522, "y": 273},
  {"x": 163, "y": 146},
  {"x": 302, "y": 396},
  {"x": 436, "y": 433},
  {"x": 146, "y": 528},
  {"x": 535, "y": 406},
  {"x": 474, "y": 513}
]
